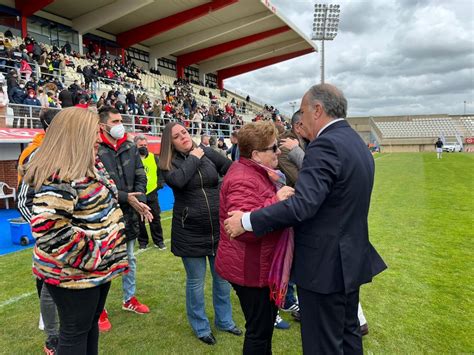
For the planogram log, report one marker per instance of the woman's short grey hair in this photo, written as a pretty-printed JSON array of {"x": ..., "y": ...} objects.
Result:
[{"x": 331, "y": 98}]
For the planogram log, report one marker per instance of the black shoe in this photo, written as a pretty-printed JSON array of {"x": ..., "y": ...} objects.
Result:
[
  {"x": 142, "y": 247},
  {"x": 296, "y": 315},
  {"x": 161, "y": 246},
  {"x": 208, "y": 339},
  {"x": 364, "y": 329},
  {"x": 234, "y": 331}
]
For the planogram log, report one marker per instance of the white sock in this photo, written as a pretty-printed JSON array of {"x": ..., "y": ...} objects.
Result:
[
  {"x": 40, "y": 323},
  {"x": 360, "y": 315}
]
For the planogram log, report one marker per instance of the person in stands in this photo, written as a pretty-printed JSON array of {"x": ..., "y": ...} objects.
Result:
[
  {"x": 193, "y": 174},
  {"x": 80, "y": 245}
]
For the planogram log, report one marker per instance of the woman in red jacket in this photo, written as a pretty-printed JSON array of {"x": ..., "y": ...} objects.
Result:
[{"x": 251, "y": 183}]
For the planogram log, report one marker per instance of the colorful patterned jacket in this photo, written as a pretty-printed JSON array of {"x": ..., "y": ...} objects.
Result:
[{"x": 79, "y": 231}]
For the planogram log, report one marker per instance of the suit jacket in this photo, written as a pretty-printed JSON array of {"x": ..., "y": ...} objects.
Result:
[{"x": 329, "y": 213}]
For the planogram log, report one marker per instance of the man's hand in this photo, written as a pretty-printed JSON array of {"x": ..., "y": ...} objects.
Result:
[
  {"x": 197, "y": 152},
  {"x": 285, "y": 192},
  {"x": 289, "y": 143},
  {"x": 233, "y": 224},
  {"x": 146, "y": 216},
  {"x": 140, "y": 207}
]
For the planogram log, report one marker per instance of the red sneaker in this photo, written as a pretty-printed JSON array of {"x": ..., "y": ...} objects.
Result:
[
  {"x": 104, "y": 323},
  {"x": 133, "y": 305}
]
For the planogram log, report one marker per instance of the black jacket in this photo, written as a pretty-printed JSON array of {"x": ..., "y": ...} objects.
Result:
[
  {"x": 65, "y": 96},
  {"x": 195, "y": 184},
  {"x": 329, "y": 213},
  {"x": 125, "y": 167}
]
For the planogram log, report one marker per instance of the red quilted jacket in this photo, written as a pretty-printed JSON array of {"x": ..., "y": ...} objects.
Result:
[{"x": 246, "y": 259}]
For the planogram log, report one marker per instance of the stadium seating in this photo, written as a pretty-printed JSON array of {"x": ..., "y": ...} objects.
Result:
[{"x": 423, "y": 127}]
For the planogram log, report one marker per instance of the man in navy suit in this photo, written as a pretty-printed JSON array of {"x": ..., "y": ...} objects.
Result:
[{"x": 333, "y": 256}]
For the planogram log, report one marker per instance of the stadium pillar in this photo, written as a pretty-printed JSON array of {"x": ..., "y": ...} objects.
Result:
[
  {"x": 28, "y": 8},
  {"x": 24, "y": 27},
  {"x": 179, "y": 71},
  {"x": 220, "y": 82},
  {"x": 202, "y": 77},
  {"x": 123, "y": 55},
  {"x": 209, "y": 52},
  {"x": 244, "y": 68},
  {"x": 141, "y": 33},
  {"x": 80, "y": 44}
]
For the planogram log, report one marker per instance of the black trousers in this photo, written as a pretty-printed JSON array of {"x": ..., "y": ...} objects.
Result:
[
  {"x": 260, "y": 314},
  {"x": 329, "y": 323},
  {"x": 155, "y": 225},
  {"x": 79, "y": 312}
]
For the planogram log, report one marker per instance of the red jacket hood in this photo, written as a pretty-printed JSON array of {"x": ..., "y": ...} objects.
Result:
[{"x": 119, "y": 142}]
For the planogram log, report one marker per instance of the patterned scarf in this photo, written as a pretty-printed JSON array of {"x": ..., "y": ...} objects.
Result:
[{"x": 276, "y": 176}]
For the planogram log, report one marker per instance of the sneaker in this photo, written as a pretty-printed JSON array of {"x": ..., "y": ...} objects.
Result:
[
  {"x": 280, "y": 323},
  {"x": 104, "y": 323},
  {"x": 291, "y": 307},
  {"x": 296, "y": 315},
  {"x": 133, "y": 305},
  {"x": 161, "y": 246},
  {"x": 142, "y": 247},
  {"x": 50, "y": 346}
]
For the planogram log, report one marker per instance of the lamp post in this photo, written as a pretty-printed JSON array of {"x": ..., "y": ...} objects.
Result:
[
  {"x": 326, "y": 22},
  {"x": 293, "y": 105},
  {"x": 467, "y": 103}
]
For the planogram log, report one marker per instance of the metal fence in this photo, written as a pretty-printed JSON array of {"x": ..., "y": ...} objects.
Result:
[{"x": 25, "y": 116}]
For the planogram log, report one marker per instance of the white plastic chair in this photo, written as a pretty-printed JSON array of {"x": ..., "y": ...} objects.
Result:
[{"x": 6, "y": 196}]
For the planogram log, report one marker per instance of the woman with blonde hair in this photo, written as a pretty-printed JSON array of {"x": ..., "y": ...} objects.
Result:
[
  {"x": 193, "y": 174},
  {"x": 78, "y": 227}
]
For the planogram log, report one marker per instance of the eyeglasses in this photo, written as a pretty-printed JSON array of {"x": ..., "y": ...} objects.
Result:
[{"x": 273, "y": 147}]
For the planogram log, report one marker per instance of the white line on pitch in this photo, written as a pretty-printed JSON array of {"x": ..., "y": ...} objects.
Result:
[
  {"x": 16, "y": 299},
  {"x": 25, "y": 295}
]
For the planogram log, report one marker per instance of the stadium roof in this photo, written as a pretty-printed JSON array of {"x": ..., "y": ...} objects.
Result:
[{"x": 228, "y": 36}]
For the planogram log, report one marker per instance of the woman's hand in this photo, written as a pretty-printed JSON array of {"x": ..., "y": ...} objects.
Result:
[
  {"x": 285, "y": 192},
  {"x": 197, "y": 152}
]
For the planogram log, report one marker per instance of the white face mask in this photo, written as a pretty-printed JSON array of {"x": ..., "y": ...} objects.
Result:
[{"x": 117, "y": 131}]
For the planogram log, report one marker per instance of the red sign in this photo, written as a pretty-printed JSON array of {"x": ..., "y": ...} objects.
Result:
[
  {"x": 25, "y": 135},
  {"x": 17, "y": 135},
  {"x": 469, "y": 140}
]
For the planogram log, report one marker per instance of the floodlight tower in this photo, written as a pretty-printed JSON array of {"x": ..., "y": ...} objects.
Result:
[
  {"x": 325, "y": 25},
  {"x": 293, "y": 105}
]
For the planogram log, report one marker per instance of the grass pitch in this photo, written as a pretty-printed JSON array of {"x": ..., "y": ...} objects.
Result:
[{"x": 421, "y": 222}]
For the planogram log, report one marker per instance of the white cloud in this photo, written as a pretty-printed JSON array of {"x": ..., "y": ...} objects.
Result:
[{"x": 391, "y": 57}]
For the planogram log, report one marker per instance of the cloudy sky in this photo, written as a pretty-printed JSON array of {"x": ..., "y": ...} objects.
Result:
[{"x": 390, "y": 57}]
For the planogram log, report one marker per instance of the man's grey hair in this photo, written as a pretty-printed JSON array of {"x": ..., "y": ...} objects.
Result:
[
  {"x": 139, "y": 137},
  {"x": 295, "y": 118},
  {"x": 331, "y": 98}
]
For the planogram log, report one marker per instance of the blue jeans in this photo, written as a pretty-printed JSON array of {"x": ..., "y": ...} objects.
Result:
[
  {"x": 128, "y": 280},
  {"x": 195, "y": 307},
  {"x": 290, "y": 298}
]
